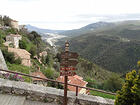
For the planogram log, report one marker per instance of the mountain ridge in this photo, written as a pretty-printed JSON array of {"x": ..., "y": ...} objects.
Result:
[
  {"x": 74, "y": 32},
  {"x": 41, "y": 30},
  {"x": 114, "y": 48},
  {"x": 86, "y": 29}
]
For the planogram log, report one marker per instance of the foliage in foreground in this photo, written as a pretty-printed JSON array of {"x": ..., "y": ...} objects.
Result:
[
  {"x": 10, "y": 76},
  {"x": 130, "y": 92},
  {"x": 113, "y": 83},
  {"x": 104, "y": 95},
  {"x": 20, "y": 68}
]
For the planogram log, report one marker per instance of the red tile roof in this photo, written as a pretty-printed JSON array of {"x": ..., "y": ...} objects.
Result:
[
  {"x": 38, "y": 74},
  {"x": 76, "y": 80},
  {"x": 76, "y": 76}
]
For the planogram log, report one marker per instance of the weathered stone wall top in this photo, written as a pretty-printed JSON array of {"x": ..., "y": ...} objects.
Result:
[{"x": 41, "y": 93}]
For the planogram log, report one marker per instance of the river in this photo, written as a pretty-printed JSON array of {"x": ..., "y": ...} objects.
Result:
[{"x": 51, "y": 38}]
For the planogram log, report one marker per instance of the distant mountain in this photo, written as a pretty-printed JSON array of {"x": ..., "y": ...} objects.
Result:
[
  {"x": 108, "y": 52},
  {"x": 40, "y": 30},
  {"x": 115, "y": 48},
  {"x": 86, "y": 29},
  {"x": 72, "y": 33}
]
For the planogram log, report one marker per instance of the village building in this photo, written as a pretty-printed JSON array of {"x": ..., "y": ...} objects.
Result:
[
  {"x": 76, "y": 80},
  {"x": 22, "y": 26},
  {"x": 14, "y": 24},
  {"x": 44, "y": 53},
  {"x": 23, "y": 54},
  {"x": 13, "y": 39},
  {"x": 39, "y": 81}
]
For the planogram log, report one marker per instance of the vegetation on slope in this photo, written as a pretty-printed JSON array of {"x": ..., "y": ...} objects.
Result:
[
  {"x": 95, "y": 93},
  {"x": 116, "y": 49},
  {"x": 95, "y": 75},
  {"x": 32, "y": 42}
]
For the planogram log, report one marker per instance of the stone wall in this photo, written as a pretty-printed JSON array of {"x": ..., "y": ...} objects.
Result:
[
  {"x": 2, "y": 62},
  {"x": 14, "y": 24},
  {"x": 23, "y": 54},
  {"x": 48, "y": 94}
]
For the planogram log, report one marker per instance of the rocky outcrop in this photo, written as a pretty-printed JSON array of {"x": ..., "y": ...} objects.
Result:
[
  {"x": 48, "y": 94},
  {"x": 23, "y": 54},
  {"x": 2, "y": 62}
]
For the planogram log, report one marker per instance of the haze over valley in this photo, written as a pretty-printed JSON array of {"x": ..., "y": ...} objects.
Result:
[{"x": 103, "y": 43}]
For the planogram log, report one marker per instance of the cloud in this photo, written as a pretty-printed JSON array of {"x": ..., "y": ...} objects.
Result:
[
  {"x": 69, "y": 14},
  {"x": 107, "y": 17},
  {"x": 21, "y": 0}
]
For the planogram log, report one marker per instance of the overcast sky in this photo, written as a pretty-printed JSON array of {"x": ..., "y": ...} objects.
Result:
[{"x": 69, "y": 14}]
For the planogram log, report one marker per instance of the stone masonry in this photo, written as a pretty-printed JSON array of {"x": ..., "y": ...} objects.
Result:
[
  {"x": 2, "y": 62},
  {"x": 14, "y": 39},
  {"x": 14, "y": 24},
  {"x": 23, "y": 54},
  {"x": 48, "y": 94}
]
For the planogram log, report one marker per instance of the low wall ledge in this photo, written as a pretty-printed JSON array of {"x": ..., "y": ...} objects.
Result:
[{"x": 49, "y": 94}]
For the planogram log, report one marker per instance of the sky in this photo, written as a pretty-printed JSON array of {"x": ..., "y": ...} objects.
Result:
[{"x": 69, "y": 14}]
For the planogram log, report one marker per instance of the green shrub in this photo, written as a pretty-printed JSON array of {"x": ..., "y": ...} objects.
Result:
[
  {"x": 10, "y": 57},
  {"x": 18, "y": 60},
  {"x": 104, "y": 95},
  {"x": 49, "y": 73},
  {"x": 11, "y": 31},
  {"x": 19, "y": 68},
  {"x": 33, "y": 51},
  {"x": 22, "y": 44},
  {"x": 91, "y": 82},
  {"x": 6, "y": 20},
  {"x": 113, "y": 83},
  {"x": 130, "y": 92},
  {"x": 60, "y": 86}
]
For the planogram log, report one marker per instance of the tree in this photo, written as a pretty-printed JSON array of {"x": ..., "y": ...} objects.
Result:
[
  {"x": 33, "y": 51},
  {"x": 113, "y": 83},
  {"x": 11, "y": 31},
  {"x": 22, "y": 44},
  {"x": 34, "y": 36},
  {"x": 7, "y": 21},
  {"x": 48, "y": 60},
  {"x": 130, "y": 92}
]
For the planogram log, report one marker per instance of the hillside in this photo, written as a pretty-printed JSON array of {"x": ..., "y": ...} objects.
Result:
[
  {"x": 115, "y": 48},
  {"x": 75, "y": 32},
  {"x": 31, "y": 42},
  {"x": 42, "y": 31},
  {"x": 86, "y": 29},
  {"x": 90, "y": 70},
  {"x": 126, "y": 29}
]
